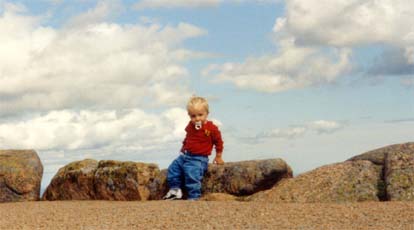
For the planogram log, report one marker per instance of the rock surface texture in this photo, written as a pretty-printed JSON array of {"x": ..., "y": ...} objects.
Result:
[
  {"x": 397, "y": 165},
  {"x": 74, "y": 181},
  {"x": 377, "y": 156},
  {"x": 382, "y": 174},
  {"x": 340, "y": 182},
  {"x": 385, "y": 174},
  {"x": 158, "y": 187},
  {"x": 20, "y": 175},
  {"x": 399, "y": 176},
  {"x": 104, "y": 180},
  {"x": 245, "y": 177},
  {"x": 234, "y": 178},
  {"x": 116, "y": 180}
]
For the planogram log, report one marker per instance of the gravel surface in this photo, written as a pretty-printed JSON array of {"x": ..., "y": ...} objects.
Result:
[{"x": 184, "y": 214}]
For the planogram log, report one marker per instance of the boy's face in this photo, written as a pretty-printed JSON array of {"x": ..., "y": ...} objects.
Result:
[{"x": 197, "y": 114}]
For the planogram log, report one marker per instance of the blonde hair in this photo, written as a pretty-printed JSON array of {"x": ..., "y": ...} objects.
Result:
[{"x": 196, "y": 102}]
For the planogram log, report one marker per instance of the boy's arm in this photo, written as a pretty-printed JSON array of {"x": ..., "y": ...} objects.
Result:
[
  {"x": 182, "y": 147},
  {"x": 218, "y": 159},
  {"x": 218, "y": 143},
  {"x": 186, "y": 131}
]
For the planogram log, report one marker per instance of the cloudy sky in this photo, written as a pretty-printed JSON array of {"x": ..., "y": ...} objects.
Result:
[{"x": 309, "y": 81}]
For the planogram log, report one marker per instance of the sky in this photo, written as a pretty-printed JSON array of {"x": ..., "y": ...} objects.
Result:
[{"x": 310, "y": 81}]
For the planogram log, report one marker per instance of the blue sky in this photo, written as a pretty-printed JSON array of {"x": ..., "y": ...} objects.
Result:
[{"x": 110, "y": 79}]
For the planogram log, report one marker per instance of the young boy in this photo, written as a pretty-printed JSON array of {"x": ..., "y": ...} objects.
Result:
[{"x": 191, "y": 165}]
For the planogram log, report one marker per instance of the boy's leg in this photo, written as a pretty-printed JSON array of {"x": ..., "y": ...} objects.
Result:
[
  {"x": 175, "y": 173},
  {"x": 174, "y": 179},
  {"x": 194, "y": 169}
]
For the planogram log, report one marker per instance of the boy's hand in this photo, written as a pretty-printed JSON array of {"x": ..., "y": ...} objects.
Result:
[{"x": 218, "y": 160}]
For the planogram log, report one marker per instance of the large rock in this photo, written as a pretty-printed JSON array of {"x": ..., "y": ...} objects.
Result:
[
  {"x": 103, "y": 180},
  {"x": 235, "y": 178},
  {"x": 377, "y": 156},
  {"x": 115, "y": 180},
  {"x": 245, "y": 177},
  {"x": 399, "y": 176},
  {"x": 20, "y": 175},
  {"x": 74, "y": 181},
  {"x": 341, "y": 182},
  {"x": 158, "y": 187},
  {"x": 397, "y": 167}
]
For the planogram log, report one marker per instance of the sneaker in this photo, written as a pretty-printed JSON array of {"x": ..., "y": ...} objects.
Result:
[{"x": 173, "y": 194}]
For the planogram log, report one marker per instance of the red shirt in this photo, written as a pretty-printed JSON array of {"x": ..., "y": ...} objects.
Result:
[{"x": 201, "y": 141}]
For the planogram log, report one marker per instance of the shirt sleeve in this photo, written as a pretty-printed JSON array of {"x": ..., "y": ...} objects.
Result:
[
  {"x": 182, "y": 147},
  {"x": 217, "y": 140},
  {"x": 185, "y": 138}
]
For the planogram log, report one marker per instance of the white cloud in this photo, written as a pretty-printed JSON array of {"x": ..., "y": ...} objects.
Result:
[
  {"x": 55, "y": 2},
  {"x": 324, "y": 34},
  {"x": 64, "y": 136},
  {"x": 102, "y": 11},
  {"x": 99, "y": 66},
  {"x": 353, "y": 23},
  {"x": 144, "y": 4},
  {"x": 322, "y": 126},
  {"x": 84, "y": 90},
  {"x": 69, "y": 130},
  {"x": 289, "y": 133},
  {"x": 176, "y": 3},
  {"x": 319, "y": 127},
  {"x": 292, "y": 67},
  {"x": 346, "y": 23}
]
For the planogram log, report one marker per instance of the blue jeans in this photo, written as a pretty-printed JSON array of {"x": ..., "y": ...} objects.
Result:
[{"x": 189, "y": 169}]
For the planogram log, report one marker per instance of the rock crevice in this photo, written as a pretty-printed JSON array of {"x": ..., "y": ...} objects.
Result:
[{"x": 397, "y": 166}]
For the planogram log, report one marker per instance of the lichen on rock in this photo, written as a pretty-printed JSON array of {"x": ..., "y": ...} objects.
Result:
[
  {"x": 399, "y": 174},
  {"x": 104, "y": 180},
  {"x": 339, "y": 182},
  {"x": 20, "y": 175}
]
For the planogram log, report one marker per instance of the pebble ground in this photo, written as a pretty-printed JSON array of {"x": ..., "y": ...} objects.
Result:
[{"x": 229, "y": 215}]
